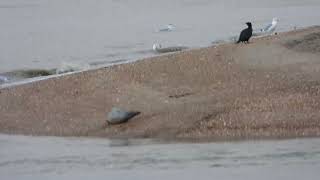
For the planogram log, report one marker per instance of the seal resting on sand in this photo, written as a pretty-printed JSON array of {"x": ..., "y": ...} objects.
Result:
[{"x": 118, "y": 116}]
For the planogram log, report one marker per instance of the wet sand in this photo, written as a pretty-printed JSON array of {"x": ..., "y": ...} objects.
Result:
[{"x": 269, "y": 88}]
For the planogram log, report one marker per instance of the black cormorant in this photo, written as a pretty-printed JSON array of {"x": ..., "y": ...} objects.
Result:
[{"x": 246, "y": 34}]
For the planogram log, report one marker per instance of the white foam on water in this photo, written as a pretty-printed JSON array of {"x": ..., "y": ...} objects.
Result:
[
  {"x": 66, "y": 67},
  {"x": 3, "y": 79}
]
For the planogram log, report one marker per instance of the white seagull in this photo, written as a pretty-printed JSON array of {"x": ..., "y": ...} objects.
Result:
[
  {"x": 168, "y": 28},
  {"x": 3, "y": 79},
  {"x": 159, "y": 49},
  {"x": 271, "y": 27}
]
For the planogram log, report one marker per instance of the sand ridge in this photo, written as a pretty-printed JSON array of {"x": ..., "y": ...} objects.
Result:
[{"x": 268, "y": 88}]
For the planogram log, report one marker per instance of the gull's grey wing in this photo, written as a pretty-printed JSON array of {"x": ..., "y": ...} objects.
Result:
[{"x": 267, "y": 27}]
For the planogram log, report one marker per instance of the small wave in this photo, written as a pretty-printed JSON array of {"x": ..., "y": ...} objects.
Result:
[
  {"x": 30, "y": 73},
  {"x": 18, "y": 75},
  {"x": 21, "y": 75},
  {"x": 230, "y": 39},
  {"x": 71, "y": 67},
  {"x": 99, "y": 63},
  {"x": 16, "y": 6},
  {"x": 127, "y": 46}
]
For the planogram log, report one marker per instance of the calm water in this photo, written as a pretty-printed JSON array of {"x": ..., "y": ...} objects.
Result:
[
  {"x": 48, "y": 33},
  {"x": 23, "y": 157}
]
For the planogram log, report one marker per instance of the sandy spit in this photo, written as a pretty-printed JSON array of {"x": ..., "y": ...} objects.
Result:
[{"x": 269, "y": 88}]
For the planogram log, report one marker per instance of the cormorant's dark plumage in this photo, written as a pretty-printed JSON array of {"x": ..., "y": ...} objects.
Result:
[{"x": 246, "y": 34}]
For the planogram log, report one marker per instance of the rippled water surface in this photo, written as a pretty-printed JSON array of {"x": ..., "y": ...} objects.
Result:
[
  {"x": 48, "y": 33},
  {"x": 23, "y": 157}
]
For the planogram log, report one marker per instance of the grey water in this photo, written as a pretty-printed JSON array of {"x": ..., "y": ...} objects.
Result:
[
  {"x": 27, "y": 157},
  {"x": 37, "y": 34}
]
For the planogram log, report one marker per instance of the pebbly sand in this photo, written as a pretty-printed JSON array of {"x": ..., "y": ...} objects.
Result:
[{"x": 269, "y": 88}]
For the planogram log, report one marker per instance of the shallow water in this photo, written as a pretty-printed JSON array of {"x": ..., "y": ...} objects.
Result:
[
  {"x": 23, "y": 157},
  {"x": 45, "y": 33}
]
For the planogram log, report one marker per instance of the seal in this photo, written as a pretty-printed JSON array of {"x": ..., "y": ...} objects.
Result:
[{"x": 118, "y": 116}]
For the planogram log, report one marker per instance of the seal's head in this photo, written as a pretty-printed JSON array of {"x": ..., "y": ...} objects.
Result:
[{"x": 156, "y": 46}]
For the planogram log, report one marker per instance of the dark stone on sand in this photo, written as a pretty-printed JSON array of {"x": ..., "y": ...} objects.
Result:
[{"x": 118, "y": 116}]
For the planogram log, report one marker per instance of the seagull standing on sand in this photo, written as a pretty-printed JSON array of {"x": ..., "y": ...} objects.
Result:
[
  {"x": 246, "y": 34},
  {"x": 271, "y": 27},
  {"x": 156, "y": 46}
]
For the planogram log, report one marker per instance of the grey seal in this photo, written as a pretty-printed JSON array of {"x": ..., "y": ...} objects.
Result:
[{"x": 118, "y": 116}]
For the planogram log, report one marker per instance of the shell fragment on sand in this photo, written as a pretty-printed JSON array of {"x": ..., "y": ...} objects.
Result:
[
  {"x": 118, "y": 116},
  {"x": 159, "y": 49}
]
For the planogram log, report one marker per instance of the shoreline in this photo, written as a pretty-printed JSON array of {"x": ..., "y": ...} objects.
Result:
[
  {"x": 164, "y": 140},
  {"x": 138, "y": 141},
  {"x": 25, "y": 76},
  {"x": 266, "y": 89}
]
